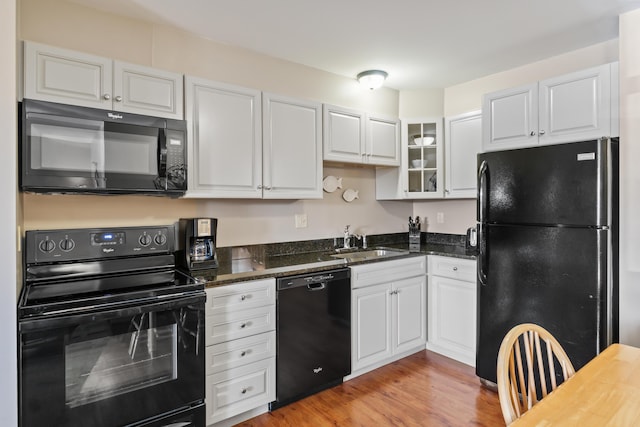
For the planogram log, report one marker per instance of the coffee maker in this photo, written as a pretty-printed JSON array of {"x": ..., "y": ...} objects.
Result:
[{"x": 197, "y": 243}]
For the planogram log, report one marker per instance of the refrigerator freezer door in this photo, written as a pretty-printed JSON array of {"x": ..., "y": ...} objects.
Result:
[
  {"x": 558, "y": 184},
  {"x": 552, "y": 276}
]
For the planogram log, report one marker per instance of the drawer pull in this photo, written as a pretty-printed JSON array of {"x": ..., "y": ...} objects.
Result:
[
  {"x": 244, "y": 325},
  {"x": 243, "y": 297},
  {"x": 244, "y": 390},
  {"x": 244, "y": 353},
  {"x": 455, "y": 268}
]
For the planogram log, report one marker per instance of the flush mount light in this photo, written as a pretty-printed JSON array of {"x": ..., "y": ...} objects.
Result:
[{"x": 372, "y": 79}]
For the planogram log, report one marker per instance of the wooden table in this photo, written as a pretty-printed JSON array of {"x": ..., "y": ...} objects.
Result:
[{"x": 605, "y": 392}]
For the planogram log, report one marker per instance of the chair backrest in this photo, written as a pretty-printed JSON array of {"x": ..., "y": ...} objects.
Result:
[{"x": 527, "y": 368}]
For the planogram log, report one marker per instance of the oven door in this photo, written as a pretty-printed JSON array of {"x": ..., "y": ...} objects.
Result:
[
  {"x": 76, "y": 149},
  {"x": 114, "y": 367}
]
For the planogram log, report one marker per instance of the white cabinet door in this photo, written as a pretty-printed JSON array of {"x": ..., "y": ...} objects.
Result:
[
  {"x": 510, "y": 118},
  {"x": 383, "y": 141},
  {"x": 409, "y": 313},
  {"x": 225, "y": 140},
  {"x": 463, "y": 142},
  {"x": 371, "y": 313},
  {"x": 65, "y": 76},
  {"x": 292, "y": 148},
  {"x": 344, "y": 134},
  {"x": 575, "y": 106},
  {"x": 451, "y": 308},
  {"x": 145, "y": 90}
]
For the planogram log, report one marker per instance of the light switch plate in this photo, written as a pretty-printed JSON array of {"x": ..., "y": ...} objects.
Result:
[{"x": 301, "y": 220}]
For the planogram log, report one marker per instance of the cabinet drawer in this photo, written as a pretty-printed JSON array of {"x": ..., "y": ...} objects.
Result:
[
  {"x": 454, "y": 268},
  {"x": 241, "y": 296},
  {"x": 230, "y": 326},
  {"x": 387, "y": 271},
  {"x": 241, "y": 389},
  {"x": 232, "y": 354}
]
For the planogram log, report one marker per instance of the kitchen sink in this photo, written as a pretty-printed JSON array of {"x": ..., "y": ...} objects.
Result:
[{"x": 370, "y": 254}]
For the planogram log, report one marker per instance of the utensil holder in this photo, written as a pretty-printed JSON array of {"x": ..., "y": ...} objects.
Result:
[{"x": 414, "y": 239}]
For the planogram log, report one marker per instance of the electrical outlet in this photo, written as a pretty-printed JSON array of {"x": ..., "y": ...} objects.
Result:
[
  {"x": 440, "y": 217},
  {"x": 301, "y": 220}
]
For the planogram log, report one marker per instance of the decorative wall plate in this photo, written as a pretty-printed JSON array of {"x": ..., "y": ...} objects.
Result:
[
  {"x": 350, "y": 195},
  {"x": 331, "y": 184}
]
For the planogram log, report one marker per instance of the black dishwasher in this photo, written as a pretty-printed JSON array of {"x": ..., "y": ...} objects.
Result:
[{"x": 313, "y": 334}]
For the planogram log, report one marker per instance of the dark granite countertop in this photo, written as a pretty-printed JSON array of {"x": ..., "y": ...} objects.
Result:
[{"x": 263, "y": 261}]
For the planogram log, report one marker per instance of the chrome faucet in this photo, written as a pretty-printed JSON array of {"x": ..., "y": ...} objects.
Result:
[{"x": 347, "y": 238}]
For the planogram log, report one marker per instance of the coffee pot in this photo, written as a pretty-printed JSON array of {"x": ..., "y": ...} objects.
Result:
[{"x": 197, "y": 243}]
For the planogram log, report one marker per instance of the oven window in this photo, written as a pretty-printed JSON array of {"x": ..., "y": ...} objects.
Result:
[{"x": 107, "y": 366}]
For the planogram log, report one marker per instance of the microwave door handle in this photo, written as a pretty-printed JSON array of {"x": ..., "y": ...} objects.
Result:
[{"x": 162, "y": 153}]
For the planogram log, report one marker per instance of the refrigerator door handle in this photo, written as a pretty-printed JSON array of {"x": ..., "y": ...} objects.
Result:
[
  {"x": 483, "y": 177},
  {"x": 482, "y": 255}
]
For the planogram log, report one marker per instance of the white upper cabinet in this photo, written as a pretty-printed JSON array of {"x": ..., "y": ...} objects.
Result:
[
  {"x": 463, "y": 142},
  {"x": 292, "y": 148},
  {"x": 70, "y": 77},
  {"x": 246, "y": 145},
  {"x": 225, "y": 140},
  {"x": 343, "y": 134},
  {"x": 510, "y": 118},
  {"x": 577, "y": 105},
  {"x": 572, "y": 107},
  {"x": 140, "y": 89},
  {"x": 382, "y": 141},
  {"x": 421, "y": 171},
  {"x": 352, "y": 136}
]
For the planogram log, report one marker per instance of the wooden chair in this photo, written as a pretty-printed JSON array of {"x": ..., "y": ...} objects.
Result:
[{"x": 527, "y": 368}]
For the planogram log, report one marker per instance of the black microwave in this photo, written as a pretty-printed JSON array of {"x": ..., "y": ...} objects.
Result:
[{"x": 71, "y": 149}]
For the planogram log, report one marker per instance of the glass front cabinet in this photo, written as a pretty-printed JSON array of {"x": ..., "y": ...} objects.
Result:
[{"x": 420, "y": 175}]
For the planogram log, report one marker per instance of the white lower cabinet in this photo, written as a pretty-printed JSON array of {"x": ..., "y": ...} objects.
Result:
[
  {"x": 388, "y": 312},
  {"x": 240, "y": 348},
  {"x": 452, "y": 308}
]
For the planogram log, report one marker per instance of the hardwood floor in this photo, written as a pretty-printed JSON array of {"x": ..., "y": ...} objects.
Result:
[{"x": 425, "y": 389}]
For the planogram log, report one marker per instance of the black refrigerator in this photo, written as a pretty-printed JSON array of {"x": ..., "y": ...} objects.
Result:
[{"x": 548, "y": 239}]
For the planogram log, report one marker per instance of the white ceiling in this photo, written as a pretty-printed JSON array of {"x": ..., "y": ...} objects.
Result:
[{"x": 420, "y": 43}]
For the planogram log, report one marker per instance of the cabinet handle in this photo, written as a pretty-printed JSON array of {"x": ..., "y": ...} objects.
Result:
[
  {"x": 243, "y": 297},
  {"x": 542, "y": 132},
  {"x": 259, "y": 187},
  {"x": 244, "y": 391},
  {"x": 455, "y": 268},
  {"x": 532, "y": 133},
  {"x": 243, "y": 354},
  {"x": 118, "y": 98},
  {"x": 268, "y": 187},
  {"x": 244, "y": 325},
  {"x": 106, "y": 96}
]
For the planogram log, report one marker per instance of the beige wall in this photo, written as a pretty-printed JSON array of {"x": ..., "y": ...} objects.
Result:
[
  {"x": 8, "y": 235},
  {"x": 68, "y": 25},
  {"x": 629, "y": 178}
]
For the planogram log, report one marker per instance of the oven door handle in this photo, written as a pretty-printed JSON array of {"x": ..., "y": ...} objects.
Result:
[{"x": 74, "y": 316}]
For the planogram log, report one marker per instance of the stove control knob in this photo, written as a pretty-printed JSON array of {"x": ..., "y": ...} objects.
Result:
[
  {"x": 145, "y": 240},
  {"x": 47, "y": 246},
  {"x": 67, "y": 244},
  {"x": 160, "y": 239}
]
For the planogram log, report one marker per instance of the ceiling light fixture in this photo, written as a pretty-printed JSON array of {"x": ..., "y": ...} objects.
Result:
[{"x": 372, "y": 79}]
